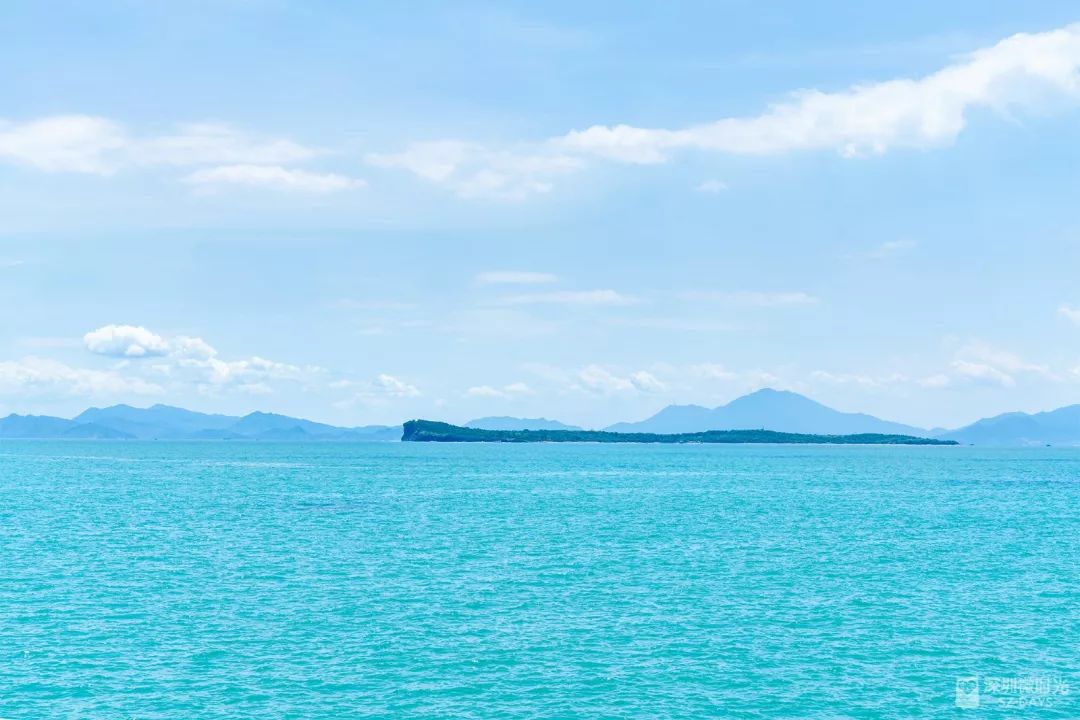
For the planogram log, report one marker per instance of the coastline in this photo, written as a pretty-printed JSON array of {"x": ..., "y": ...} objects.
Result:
[{"x": 431, "y": 431}]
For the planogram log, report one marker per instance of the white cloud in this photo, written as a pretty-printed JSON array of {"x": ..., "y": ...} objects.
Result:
[
  {"x": 273, "y": 176},
  {"x": 1070, "y": 312},
  {"x": 981, "y": 362},
  {"x": 1022, "y": 71},
  {"x": 973, "y": 362},
  {"x": 981, "y": 352},
  {"x": 758, "y": 378},
  {"x": 435, "y": 161},
  {"x": 571, "y": 297},
  {"x": 184, "y": 346},
  {"x": 1027, "y": 71},
  {"x": 135, "y": 341},
  {"x": 660, "y": 378},
  {"x": 41, "y": 376},
  {"x": 597, "y": 379},
  {"x": 983, "y": 373},
  {"x": 69, "y": 143},
  {"x": 216, "y": 373},
  {"x": 194, "y": 362},
  {"x": 99, "y": 146},
  {"x": 515, "y": 277},
  {"x": 472, "y": 170},
  {"x": 518, "y": 388},
  {"x": 713, "y": 187},
  {"x": 215, "y": 144},
  {"x": 382, "y": 388},
  {"x": 507, "y": 392},
  {"x": 646, "y": 382},
  {"x": 129, "y": 341},
  {"x": 390, "y": 386},
  {"x": 757, "y": 299}
]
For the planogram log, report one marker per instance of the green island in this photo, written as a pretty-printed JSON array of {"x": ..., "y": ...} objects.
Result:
[{"x": 431, "y": 431}]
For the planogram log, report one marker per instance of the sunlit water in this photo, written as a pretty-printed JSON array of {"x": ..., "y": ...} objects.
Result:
[{"x": 262, "y": 580}]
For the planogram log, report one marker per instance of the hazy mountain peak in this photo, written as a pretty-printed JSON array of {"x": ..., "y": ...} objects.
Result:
[
  {"x": 1050, "y": 427},
  {"x": 504, "y": 422},
  {"x": 771, "y": 392},
  {"x": 765, "y": 409}
]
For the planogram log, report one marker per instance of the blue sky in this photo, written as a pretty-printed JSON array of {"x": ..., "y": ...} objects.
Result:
[{"x": 363, "y": 214}]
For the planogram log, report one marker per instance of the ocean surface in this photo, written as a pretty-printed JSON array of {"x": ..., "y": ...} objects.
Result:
[{"x": 265, "y": 580}]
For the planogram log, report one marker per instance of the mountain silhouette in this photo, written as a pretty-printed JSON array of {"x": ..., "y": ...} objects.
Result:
[
  {"x": 765, "y": 409},
  {"x": 503, "y": 422},
  {"x": 165, "y": 422},
  {"x": 1053, "y": 427}
]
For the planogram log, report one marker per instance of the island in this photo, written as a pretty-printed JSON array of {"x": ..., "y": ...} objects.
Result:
[{"x": 431, "y": 431}]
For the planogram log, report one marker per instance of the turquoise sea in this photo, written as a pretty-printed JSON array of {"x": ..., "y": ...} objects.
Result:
[{"x": 261, "y": 580}]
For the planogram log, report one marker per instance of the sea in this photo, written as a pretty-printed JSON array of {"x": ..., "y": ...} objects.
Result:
[{"x": 183, "y": 580}]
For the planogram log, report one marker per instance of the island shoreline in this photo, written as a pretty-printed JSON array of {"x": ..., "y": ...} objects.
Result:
[{"x": 431, "y": 431}]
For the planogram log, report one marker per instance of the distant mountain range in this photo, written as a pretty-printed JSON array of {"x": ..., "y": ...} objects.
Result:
[
  {"x": 773, "y": 410},
  {"x": 512, "y": 423},
  {"x": 785, "y": 411},
  {"x": 766, "y": 409},
  {"x": 163, "y": 422},
  {"x": 1054, "y": 427}
]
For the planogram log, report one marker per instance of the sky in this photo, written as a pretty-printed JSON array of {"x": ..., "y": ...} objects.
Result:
[{"x": 368, "y": 212}]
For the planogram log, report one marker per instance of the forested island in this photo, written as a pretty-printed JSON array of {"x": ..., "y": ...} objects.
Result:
[{"x": 431, "y": 431}]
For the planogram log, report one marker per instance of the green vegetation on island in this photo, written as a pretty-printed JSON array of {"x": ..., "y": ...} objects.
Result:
[{"x": 430, "y": 431}]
